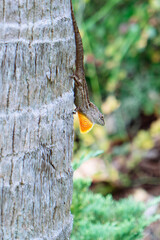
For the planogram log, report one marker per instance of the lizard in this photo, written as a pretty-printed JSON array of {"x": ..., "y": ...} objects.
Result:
[{"x": 88, "y": 113}]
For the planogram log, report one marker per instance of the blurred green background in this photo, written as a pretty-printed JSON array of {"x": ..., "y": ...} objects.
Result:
[{"x": 121, "y": 40}]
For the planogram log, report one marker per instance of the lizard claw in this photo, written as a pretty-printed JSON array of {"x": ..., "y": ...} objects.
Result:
[
  {"x": 77, "y": 80},
  {"x": 73, "y": 76},
  {"x": 74, "y": 111}
]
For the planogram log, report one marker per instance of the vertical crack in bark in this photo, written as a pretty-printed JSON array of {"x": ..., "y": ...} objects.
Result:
[
  {"x": 35, "y": 63},
  {"x": 4, "y": 64},
  {"x": 1, "y": 149},
  {"x": 27, "y": 7},
  {"x": 54, "y": 214},
  {"x": 52, "y": 134},
  {"x": 49, "y": 159},
  {"x": 52, "y": 32},
  {"x": 25, "y": 140},
  {"x": 39, "y": 121},
  {"x": 2, "y": 204},
  {"x": 34, "y": 8},
  {"x": 28, "y": 93},
  {"x": 10, "y": 180},
  {"x": 3, "y": 9},
  {"x": 13, "y": 216},
  {"x": 34, "y": 190},
  {"x": 56, "y": 71},
  {"x": 17, "y": 224},
  {"x": 8, "y": 95},
  {"x": 19, "y": 14},
  {"x": 13, "y": 135},
  {"x": 42, "y": 3},
  {"x": 34, "y": 4},
  {"x": 46, "y": 156},
  {"x": 15, "y": 63}
]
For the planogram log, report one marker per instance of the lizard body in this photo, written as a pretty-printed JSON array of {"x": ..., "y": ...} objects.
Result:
[{"x": 88, "y": 113}]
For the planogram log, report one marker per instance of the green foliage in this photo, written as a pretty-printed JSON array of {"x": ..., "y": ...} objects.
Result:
[
  {"x": 101, "y": 218},
  {"x": 122, "y": 54},
  {"x": 77, "y": 163},
  {"x": 123, "y": 39}
]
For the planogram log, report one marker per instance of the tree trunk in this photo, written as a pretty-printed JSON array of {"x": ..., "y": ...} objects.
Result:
[{"x": 36, "y": 122}]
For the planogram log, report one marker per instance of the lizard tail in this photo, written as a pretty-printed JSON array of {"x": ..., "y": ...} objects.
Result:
[{"x": 79, "y": 45}]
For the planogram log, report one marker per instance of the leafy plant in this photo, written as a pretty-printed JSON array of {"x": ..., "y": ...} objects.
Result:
[
  {"x": 122, "y": 55},
  {"x": 101, "y": 218},
  {"x": 121, "y": 43}
]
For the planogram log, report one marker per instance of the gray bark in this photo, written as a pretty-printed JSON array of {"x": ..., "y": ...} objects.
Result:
[{"x": 36, "y": 124}]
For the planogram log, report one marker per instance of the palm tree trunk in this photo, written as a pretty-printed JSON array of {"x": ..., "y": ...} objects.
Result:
[{"x": 36, "y": 122}]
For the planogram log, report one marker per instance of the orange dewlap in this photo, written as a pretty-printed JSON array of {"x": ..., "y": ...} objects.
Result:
[{"x": 84, "y": 123}]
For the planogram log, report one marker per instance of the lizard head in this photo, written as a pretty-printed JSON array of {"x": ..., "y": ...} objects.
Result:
[{"x": 95, "y": 115}]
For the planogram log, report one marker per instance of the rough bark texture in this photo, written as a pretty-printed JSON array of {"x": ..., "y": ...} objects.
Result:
[{"x": 36, "y": 122}]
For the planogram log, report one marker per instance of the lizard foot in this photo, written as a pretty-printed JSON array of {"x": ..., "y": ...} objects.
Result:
[
  {"x": 77, "y": 80},
  {"x": 74, "y": 111}
]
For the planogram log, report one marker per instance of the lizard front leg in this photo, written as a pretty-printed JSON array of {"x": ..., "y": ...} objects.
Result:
[
  {"x": 77, "y": 109},
  {"x": 77, "y": 80}
]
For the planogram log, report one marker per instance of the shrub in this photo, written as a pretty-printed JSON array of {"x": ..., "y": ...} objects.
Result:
[{"x": 101, "y": 218}]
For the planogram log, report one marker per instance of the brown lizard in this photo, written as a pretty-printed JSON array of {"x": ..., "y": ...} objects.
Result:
[{"x": 88, "y": 113}]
